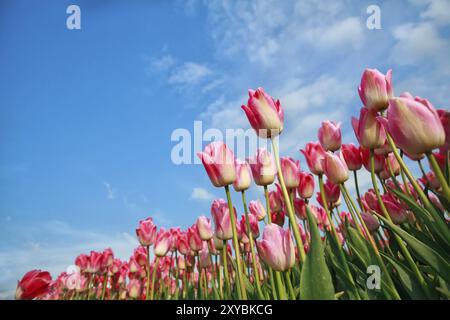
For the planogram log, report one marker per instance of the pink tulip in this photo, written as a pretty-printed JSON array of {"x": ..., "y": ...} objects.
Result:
[
  {"x": 414, "y": 125},
  {"x": 313, "y": 153},
  {"x": 162, "y": 242},
  {"x": 376, "y": 89},
  {"x": 379, "y": 160},
  {"x": 146, "y": 232},
  {"x": 335, "y": 168},
  {"x": 290, "y": 169},
  {"x": 371, "y": 222},
  {"x": 204, "y": 259},
  {"x": 430, "y": 181},
  {"x": 370, "y": 201},
  {"x": 82, "y": 262},
  {"x": 194, "y": 239},
  {"x": 108, "y": 258},
  {"x": 276, "y": 202},
  {"x": 243, "y": 176},
  {"x": 368, "y": 129},
  {"x": 134, "y": 288},
  {"x": 254, "y": 228},
  {"x": 263, "y": 167},
  {"x": 330, "y": 135},
  {"x": 276, "y": 248},
  {"x": 391, "y": 161},
  {"x": 204, "y": 228},
  {"x": 140, "y": 255},
  {"x": 332, "y": 191},
  {"x": 444, "y": 116},
  {"x": 34, "y": 284},
  {"x": 219, "y": 163},
  {"x": 221, "y": 217},
  {"x": 264, "y": 113},
  {"x": 257, "y": 209},
  {"x": 397, "y": 213},
  {"x": 300, "y": 208},
  {"x": 95, "y": 262},
  {"x": 306, "y": 186},
  {"x": 183, "y": 244},
  {"x": 278, "y": 217},
  {"x": 352, "y": 156}
]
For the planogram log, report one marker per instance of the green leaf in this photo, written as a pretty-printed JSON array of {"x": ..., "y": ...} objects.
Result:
[
  {"x": 316, "y": 282},
  {"x": 425, "y": 253}
]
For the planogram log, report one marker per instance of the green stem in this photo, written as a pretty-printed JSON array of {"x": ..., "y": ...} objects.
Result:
[
  {"x": 298, "y": 238},
  {"x": 242, "y": 294},
  {"x": 155, "y": 266},
  {"x": 105, "y": 282},
  {"x": 439, "y": 175},
  {"x": 289, "y": 285},
  {"x": 280, "y": 286},
  {"x": 355, "y": 176},
  {"x": 266, "y": 194},
  {"x": 147, "y": 293},
  {"x": 225, "y": 269}
]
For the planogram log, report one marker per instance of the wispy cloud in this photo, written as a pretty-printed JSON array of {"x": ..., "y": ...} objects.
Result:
[
  {"x": 110, "y": 192},
  {"x": 201, "y": 194},
  {"x": 189, "y": 73}
]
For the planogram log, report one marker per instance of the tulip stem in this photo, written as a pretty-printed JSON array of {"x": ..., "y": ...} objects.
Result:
[
  {"x": 298, "y": 238},
  {"x": 280, "y": 286},
  {"x": 439, "y": 175},
  {"x": 252, "y": 247},
  {"x": 402, "y": 246},
  {"x": 105, "y": 282},
  {"x": 242, "y": 294},
  {"x": 147, "y": 293},
  {"x": 155, "y": 266},
  {"x": 358, "y": 194},
  {"x": 266, "y": 194},
  {"x": 225, "y": 268},
  {"x": 289, "y": 285}
]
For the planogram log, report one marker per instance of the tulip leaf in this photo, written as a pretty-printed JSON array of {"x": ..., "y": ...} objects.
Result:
[
  {"x": 316, "y": 282},
  {"x": 424, "y": 252}
]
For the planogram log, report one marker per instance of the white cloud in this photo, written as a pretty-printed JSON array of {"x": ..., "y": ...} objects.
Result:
[
  {"x": 201, "y": 194},
  {"x": 189, "y": 73},
  {"x": 111, "y": 193},
  {"x": 438, "y": 11},
  {"x": 161, "y": 64}
]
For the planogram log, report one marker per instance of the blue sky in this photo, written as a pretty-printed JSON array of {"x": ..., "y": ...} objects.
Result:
[{"x": 86, "y": 116}]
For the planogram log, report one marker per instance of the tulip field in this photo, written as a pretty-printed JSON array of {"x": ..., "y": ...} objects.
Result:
[{"x": 309, "y": 237}]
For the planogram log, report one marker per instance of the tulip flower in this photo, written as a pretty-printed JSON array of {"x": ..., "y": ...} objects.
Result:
[
  {"x": 397, "y": 213},
  {"x": 221, "y": 217},
  {"x": 204, "y": 228},
  {"x": 330, "y": 135},
  {"x": 140, "y": 255},
  {"x": 430, "y": 181},
  {"x": 254, "y": 228},
  {"x": 371, "y": 222},
  {"x": 82, "y": 262},
  {"x": 368, "y": 129},
  {"x": 194, "y": 238},
  {"x": 290, "y": 169},
  {"x": 204, "y": 260},
  {"x": 182, "y": 244},
  {"x": 306, "y": 186},
  {"x": 300, "y": 208},
  {"x": 108, "y": 258},
  {"x": 335, "y": 168},
  {"x": 257, "y": 209},
  {"x": 134, "y": 288},
  {"x": 352, "y": 156},
  {"x": 34, "y": 284},
  {"x": 375, "y": 89},
  {"x": 146, "y": 232},
  {"x": 264, "y": 113},
  {"x": 276, "y": 200},
  {"x": 278, "y": 217},
  {"x": 414, "y": 125},
  {"x": 332, "y": 191},
  {"x": 263, "y": 167},
  {"x": 95, "y": 262},
  {"x": 276, "y": 248},
  {"x": 314, "y": 153},
  {"x": 162, "y": 242},
  {"x": 378, "y": 159},
  {"x": 219, "y": 163},
  {"x": 243, "y": 176},
  {"x": 444, "y": 116}
]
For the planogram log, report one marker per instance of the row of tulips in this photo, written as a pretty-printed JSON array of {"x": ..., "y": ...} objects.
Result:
[{"x": 305, "y": 251}]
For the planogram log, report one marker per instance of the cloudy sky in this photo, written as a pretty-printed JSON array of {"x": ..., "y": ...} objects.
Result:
[{"x": 86, "y": 116}]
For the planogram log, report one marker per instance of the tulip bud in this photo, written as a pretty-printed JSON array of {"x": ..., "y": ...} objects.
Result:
[
  {"x": 313, "y": 153},
  {"x": 330, "y": 135},
  {"x": 264, "y": 113},
  {"x": 335, "y": 168},
  {"x": 276, "y": 248},
  {"x": 352, "y": 156},
  {"x": 243, "y": 176},
  {"x": 34, "y": 284},
  {"x": 379, "y": 160},
  {"x": 162, "y": 242},
  {"x": 300, "y": 208},
  {"x": 219, "y": 163},
  {"x": 194, "y": 239},
  {"x": 371, "y": 222},
  {"x": 376, "y": 89},
  {"x": 146, "y": 232},
  {"x": 414, "y": 125},
  {"x": 254, "y": 228},
  {"x": 368, "y": 129},
  {"x": 134, "y": 288},
  {"x": 221, "y": 217},
  {"x": 397, "y": 213},
  {"x": 204, "y": 228},
  {"x": 306, "y": 186},
  {"x": 290, "y": 170},
  {"x": 257, "y": 209},
  {"x": 263, "y": 167}
]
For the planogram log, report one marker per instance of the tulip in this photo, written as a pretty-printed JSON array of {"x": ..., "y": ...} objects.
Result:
[
  {"x": 330, "y": 135},
  {"x": 290, "y": 169},
  {"x": 243, "y": 176},
  {"x": 194, "y": 238},
  {"x": 204, "y": 259},
  {"x": 371, "y": 222},
  {"x": 335, "y": 168},
  {"x": 162, "y": 242},
  {"x": 300, "y": 208},
  {"x": 134, "y": 288},
  {"x": 219, "y": 163},
  {"x": 183, "y": 244},
  {"x": 276, "y": 248},
  {"x": 378, "y": 159},
  {"x": 140, "y": 255},
  {"x": 72, "y": 280},
  {"x": 34, "y": 284},
  {"x": 430, "y": 181},
  {"x": 306, "y": 186},
  {"x": 204, "y": 228},
  {"x": 376, "y": 89},
  {"x": 263, "y": 167},
  {"x": 391, "y": 161},
  {"x": 108, "y": 258},
  {"x": 146, "y": 232},
  {"x": 95, "y": 262},
  {"x": 368, "y": 129},
  {"x": 82, "y": 262},
  {"x": 332, "y": 191},
  {"x": 384, "y": 150},
  {"x": 313, "y": 153},
  {"x": 444, "y": 116},
  {"x": 278, "y": 217},
  {"x": 221, "y": 217},
  {"x": 257, "y": 209},
  {"x": 264, "y": 113},
  {"x": 276, "y": 200},
  {"x": 370, "y": 201},
  {"x": 397, "y": 213},
  {"x": 320, "y": 215},
  {"x": 254, "y": 228},
  {"x": 352, "y": 156},
  {"x": 414, "y": 125},
  {"x": 218, "y": 243}
]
